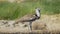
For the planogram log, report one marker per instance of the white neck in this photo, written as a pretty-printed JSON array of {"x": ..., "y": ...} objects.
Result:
[{"x": 37, "y": 13}]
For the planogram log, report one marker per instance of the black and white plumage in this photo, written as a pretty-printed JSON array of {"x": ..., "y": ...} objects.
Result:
[{"x": 31, "y": 18}]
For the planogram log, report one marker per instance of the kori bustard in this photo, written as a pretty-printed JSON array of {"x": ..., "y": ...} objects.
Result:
[{"x": 34, "y": 17}]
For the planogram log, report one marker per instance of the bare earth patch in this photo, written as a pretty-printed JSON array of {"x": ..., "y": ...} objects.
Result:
[{"x": 46, "y": 23}]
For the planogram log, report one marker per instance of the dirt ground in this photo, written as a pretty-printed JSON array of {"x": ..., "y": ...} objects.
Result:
[
  {"x": 52, "y": 22},
  {"x": 45, "y": 23}
]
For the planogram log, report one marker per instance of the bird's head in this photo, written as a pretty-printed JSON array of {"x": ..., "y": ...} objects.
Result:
[{"x": 38, "y": 10}]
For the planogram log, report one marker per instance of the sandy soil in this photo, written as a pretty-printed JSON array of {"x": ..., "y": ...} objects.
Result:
[{"x": 47, "y": 22}]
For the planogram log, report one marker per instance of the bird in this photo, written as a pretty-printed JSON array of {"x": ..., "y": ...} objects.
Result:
[{"x": 30, "y": 18}]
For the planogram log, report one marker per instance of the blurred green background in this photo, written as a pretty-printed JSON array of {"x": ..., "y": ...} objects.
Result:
[{"x": 13, "y": 10}]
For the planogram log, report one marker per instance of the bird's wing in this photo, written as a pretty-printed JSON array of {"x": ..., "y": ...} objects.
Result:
[{"x": 26, "y": 17}]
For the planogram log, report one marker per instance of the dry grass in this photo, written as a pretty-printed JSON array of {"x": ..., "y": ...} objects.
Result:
[
  {"x": 46, "y": 23},
  {"x": 52, "y": 22}
]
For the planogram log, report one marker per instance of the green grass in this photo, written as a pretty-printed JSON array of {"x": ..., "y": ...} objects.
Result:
[
  {"x": 51, "y": 7},
  {"x": 15, "y": 10}
]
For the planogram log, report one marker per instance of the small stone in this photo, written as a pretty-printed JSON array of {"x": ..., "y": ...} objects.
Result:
[{"x": 25, "y": 25}]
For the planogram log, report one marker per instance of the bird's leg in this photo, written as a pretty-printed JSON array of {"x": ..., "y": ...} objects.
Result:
[{"x": 30, "y": 26}]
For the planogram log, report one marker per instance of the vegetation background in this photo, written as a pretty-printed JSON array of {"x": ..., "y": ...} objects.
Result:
[{"x": 13, "y": 9}]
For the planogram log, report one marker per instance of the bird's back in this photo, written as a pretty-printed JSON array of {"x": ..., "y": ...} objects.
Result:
[{"x": 26, "y": 18}]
